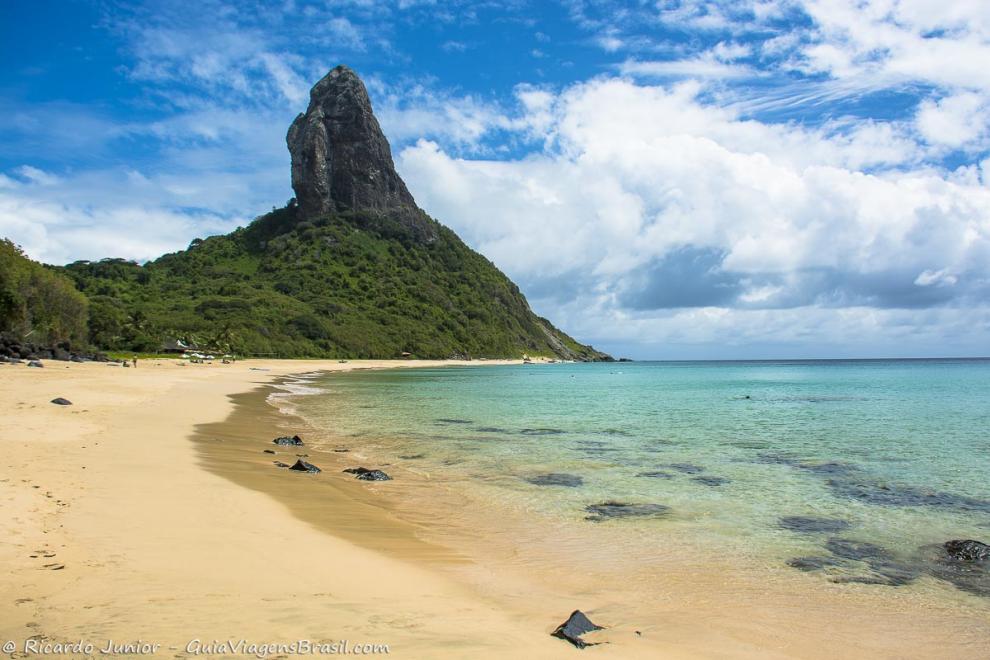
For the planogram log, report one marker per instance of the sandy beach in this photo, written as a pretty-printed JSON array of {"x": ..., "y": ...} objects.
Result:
[
  {"x": 114, "y": 532},
  {"x": 139, "y": 513}
]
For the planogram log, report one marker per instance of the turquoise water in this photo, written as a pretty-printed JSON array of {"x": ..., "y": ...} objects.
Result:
[{"x": 889, "y": 453}]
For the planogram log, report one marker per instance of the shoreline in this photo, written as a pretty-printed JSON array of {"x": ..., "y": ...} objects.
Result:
[
  {"x": 146, "y": 544},
  {"x": 706, "y": 604},
  {"x": 155, "y": 545}
]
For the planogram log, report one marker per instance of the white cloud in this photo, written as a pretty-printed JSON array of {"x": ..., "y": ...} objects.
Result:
[
  {"x": 57, "y": 233},
  {"x": 36, "y": 175},
  {"x": 703, "y": 66},
  {"x": 954, "y": 121},
  {"x": 647, "y": 191}
]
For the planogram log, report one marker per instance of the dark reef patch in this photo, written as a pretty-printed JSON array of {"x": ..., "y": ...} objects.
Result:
[
  {"x": 814, "y": 525},
  {"x": 542, "y": 431},
  {"x": 686, "y": 468},
  {"x": 711, "y": 481},
  {"x": 610, "y": 509},
  {"x": 556, "y": 479}
]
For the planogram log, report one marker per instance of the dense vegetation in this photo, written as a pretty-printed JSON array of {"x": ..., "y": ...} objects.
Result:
[
  {"x": 348, "y": 285},
  {"x": 38, "y": 304}
]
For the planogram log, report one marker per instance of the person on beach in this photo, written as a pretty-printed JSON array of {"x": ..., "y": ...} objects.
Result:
[{"x": 135, "y": 361}]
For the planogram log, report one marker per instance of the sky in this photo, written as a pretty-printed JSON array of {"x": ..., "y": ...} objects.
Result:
[{"x": 679, "y": 179}]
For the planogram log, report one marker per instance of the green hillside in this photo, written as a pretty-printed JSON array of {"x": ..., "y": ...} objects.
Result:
[
  {"x": 38, "y": 304},
  {"x": 354, "y": 284}
]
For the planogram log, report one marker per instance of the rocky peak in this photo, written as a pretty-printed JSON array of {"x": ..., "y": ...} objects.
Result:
[{"x": 340, "y": 158}]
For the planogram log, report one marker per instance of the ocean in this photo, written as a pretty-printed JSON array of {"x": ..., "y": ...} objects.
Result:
[{"x": 851, "y": 472}]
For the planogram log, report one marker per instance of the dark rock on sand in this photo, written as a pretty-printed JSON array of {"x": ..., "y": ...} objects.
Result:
[
  {"x": 813, "y": 525},
  {"x": 711, "y": 481},
  {"x": 302, "y": 466},
  {"x": 341, "y": 450},
  {"x": 269, "y": 451},
  {"x": 35, "y": 363},
  {"x": 365, "y": 474},
  {"x": 373, "y": 475},
  {"x": 556, "y": 479},
  {"x": 577, "y": 624},
  {"x": 607, "y": 510},
  {"x": 967, "y": 550},
  {"x": 280, "y": 464},
  {"x": 59, "y": 401},
  {"x": 286, "y": 441}
]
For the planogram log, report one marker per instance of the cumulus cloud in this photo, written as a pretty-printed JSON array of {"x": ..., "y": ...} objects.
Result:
[
  {"x": 650, "y": 201},
  {"x": 55, "y": 232}
]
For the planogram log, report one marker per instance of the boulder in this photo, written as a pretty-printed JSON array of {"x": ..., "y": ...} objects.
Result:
[
  {"x": 374, "y": 475},
  {"x": 35, "y": 363},
  {"x": 286, "y": 441},
  {"x": 967, "y": 550},
  {"x": 365, "y": 474},
  {"x": 303, "y": 466},
  {"x": 59, "y": 401},
  {"x": 577, "y": 624}
]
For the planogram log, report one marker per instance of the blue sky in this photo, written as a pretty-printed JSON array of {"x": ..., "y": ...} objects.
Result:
[{"x": 675, "y": 179}]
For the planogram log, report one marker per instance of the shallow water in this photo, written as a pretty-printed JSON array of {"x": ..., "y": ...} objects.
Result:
[{"x": 850, "y": 470}]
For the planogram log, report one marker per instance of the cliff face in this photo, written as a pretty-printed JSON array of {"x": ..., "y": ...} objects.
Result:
[{"x": 341, "y": 160}]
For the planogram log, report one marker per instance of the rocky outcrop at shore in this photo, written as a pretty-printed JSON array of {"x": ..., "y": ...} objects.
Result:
[{"x": 13, "y": 348}]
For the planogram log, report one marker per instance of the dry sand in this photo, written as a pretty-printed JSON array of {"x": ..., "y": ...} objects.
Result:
[{"x": 117, "y": 526}]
